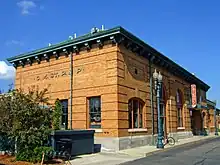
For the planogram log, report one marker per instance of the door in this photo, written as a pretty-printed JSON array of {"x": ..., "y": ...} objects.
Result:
[{"x": 196, "y": 122}]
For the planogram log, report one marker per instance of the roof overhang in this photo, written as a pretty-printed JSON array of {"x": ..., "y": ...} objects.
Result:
[
  {"x": 120, "y": 36},
  {"x": 198, "y": 107}
]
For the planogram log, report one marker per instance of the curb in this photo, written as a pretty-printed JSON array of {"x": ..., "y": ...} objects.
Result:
[{"x": 182, "y": 145}]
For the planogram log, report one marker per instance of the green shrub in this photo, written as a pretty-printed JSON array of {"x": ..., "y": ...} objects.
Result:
[
  {"x": 57, "y": 114},
  {"x": 25, "y": 119},
  {"x": 35, "y": 155},
  {"x": 24, "y": 155},
  {"x": 38, "y": 151}
]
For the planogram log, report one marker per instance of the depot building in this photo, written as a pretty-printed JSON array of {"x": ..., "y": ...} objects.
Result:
[{"x": 104, "y": 80}]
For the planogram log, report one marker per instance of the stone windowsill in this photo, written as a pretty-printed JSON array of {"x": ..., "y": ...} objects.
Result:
[
  {"x": 138, "y": 130},
  {"x": 180, "y": 128},
  {"x": 96, "y": 130},
  {"x": 212, "y": 126}
]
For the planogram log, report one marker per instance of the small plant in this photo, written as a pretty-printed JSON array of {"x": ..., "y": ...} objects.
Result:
[
  {"x": 35, "y": 155},
  {"x": 57, "y": 113}
]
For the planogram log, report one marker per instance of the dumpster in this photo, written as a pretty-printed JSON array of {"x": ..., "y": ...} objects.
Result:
[{"x": 73, "y": 142}]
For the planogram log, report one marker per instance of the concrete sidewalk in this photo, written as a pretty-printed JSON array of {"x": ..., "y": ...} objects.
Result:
[{"x": 115, "y": 158}]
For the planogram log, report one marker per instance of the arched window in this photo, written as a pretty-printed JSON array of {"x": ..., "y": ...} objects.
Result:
[
  {"x": 179, "y": 105},
  {"x": 135, "y": 113}
]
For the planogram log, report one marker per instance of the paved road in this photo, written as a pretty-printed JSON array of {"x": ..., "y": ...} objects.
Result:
[{"x": 207, "y": 153}]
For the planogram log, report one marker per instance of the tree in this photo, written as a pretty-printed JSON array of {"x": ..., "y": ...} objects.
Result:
[
  {"x": 5, "y": 123},
  {"x": 25, "y": 120},
  {"x": 10, "y": 87},
  {"x": 57, "y": 113}
]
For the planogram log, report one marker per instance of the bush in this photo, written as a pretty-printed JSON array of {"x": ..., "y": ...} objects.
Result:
[
  {"x": 26, "y": 118},
  {"x": 38, "y": 151},
  {"x": 24, "y": 155},
  {"x": 57, "y": 114},
  {"x": 35, "y": 155}
]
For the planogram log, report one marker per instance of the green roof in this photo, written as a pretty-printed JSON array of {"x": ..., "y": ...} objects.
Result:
[
  {"x": 103, "y": 34},
  {"x": 211, "y": 103},
  {"x": 66, "y": 43}
]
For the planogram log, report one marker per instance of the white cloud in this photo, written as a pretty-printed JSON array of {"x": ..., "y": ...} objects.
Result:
[
  {"x": 14, "y": 42},
  {"x": 26, "y": 6},
  {"x": 6, "y": 71}
]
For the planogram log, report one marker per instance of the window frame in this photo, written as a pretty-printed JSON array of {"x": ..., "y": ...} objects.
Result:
[
  {"x": 93, "y": 124},
  {"x": 179, "y": 106},
  {"x": 64, "y": 113},
  {"x": 140, "y": 114}
]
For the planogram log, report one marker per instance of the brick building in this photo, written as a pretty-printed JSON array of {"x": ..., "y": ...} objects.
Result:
[
  {"x": 104, "y": 81},
  {"x": 208, "y": 116}
]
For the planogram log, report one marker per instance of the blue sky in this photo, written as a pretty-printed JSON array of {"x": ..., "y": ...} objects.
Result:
[{"x": 185, "y": 31}]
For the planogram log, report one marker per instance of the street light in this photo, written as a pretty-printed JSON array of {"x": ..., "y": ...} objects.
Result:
[
  {"x": 158, "y": 83},
  {"x": 215, "y": 113}
]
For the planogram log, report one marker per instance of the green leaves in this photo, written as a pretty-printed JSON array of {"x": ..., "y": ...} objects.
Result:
[
  {"x": 25, "y": 117},
  {"x": 34, "y": 155},
  {"x": 57, "y": 113}
]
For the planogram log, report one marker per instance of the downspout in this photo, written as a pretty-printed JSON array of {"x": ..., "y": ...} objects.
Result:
[
  {"x": 151, "y": 100},
  {"x": 71, "y": 88}
]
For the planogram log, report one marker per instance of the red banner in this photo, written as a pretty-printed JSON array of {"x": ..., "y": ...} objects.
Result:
[{"x": 193, "y": 93}]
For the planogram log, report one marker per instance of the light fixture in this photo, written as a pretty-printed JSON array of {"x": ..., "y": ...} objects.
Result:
[
  {"x": 160, "y": 77},
  {"x": 155, "y": 74}
]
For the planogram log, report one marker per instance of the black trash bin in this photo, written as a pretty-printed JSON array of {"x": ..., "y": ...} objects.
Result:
[
  {"x": 75, "y": 142},
  {"x": 64, "y": 148}
]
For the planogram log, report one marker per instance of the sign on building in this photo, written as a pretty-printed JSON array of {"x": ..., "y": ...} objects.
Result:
[{"x": 193, "y": 93}]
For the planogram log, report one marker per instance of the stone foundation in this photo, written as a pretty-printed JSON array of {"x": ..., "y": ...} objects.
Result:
[
  {"x": 181, "y": 135},
  {"x": 113, "y": 144}
]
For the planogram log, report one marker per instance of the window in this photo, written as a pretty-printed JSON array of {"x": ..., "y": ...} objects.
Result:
[
  {"x": 187, "y": 95},
  {"x": 203, "y": 95},
  {"x": 162, "y": 101},
  {"x": 179, "y": 108},
  {"x": 64, "y": 120},
  {"x": 95, "y": 112},
  {"x": 135, "y": 113},
  {"x": 198, "y": 95}
]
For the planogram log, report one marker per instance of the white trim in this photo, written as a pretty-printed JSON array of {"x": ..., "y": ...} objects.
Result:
[
  {"x": 96, "y": 130},
  {"x": 138, "y": 130},
  {"x": 180, "y": 128}
]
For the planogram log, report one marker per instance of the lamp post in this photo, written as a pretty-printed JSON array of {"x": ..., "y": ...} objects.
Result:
[
  {"x": 158, "y": 83},
  {"x": 216, "y": 130}
]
